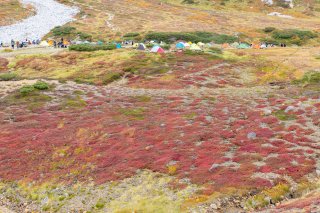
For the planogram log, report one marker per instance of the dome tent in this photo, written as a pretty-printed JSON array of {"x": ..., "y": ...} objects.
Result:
[
  {"x": 157, "y": 49},
  {"x": 141, "y": 46},
  {"x": 243, "y": 46},
  {"x": 118, "y": 46},
  {"x": 195, "y": 47},
  {"x": 180, "y": 45},
  {"x": 44, "y": 44}
]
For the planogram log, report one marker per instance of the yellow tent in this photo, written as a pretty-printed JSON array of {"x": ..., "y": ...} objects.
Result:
[
  {"x": 136, "y": 45},
  {"x": 50, "y": 42},
  {"x": 195, "y": 47},
  {"x": 66, "y": 43},
  {"x": 190, "y": 42}
]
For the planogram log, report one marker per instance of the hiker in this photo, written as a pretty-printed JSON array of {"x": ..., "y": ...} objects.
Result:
[
  {"x": 55, "y": 44},
  {"x": 18, "y": 44},
  {"x": 12, "y": 43}
]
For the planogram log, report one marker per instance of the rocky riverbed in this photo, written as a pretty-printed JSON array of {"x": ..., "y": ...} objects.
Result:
[{"x": 49, "y": 14}]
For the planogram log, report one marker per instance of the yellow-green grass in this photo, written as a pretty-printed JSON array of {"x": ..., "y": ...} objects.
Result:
[{"x": 101, "y": 67}]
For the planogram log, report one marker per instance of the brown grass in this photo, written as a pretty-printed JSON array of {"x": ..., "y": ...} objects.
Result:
[{"x": 152, "y": 15}]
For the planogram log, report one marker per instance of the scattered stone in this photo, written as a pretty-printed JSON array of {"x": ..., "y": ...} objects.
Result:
[
  {"x": 289, "y": 108},
  {"x": 252, "y": 135},
  {"x": 214, "y": 206}
]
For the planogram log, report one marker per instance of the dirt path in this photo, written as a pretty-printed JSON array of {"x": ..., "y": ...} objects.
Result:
[{"x": 30, "y": 51}]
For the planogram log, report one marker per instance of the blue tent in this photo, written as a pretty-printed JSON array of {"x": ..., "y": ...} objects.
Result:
[
  {"x": 180, "y": 45},
  {"x": 100, "y": 43},
  {"x": 118, "y": 46}
]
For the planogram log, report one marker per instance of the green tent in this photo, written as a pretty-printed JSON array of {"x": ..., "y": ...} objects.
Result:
[
  {"x": 243, "y": 46},
  {"x": 195, "y": 47}
]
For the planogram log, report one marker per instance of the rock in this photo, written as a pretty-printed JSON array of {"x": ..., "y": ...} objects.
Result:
[
  {"x": 252, "y": 135},
  {"x": 289, "y": 108},
  {"x": 279, "y": 15},
  {"x": 267, "y": 112},
  {"x": 214, "y": 206}
]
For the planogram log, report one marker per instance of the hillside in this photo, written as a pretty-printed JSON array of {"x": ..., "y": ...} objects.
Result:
[
  {"x": 154, "y": 15},
  {"x": 186, "y": 119}
]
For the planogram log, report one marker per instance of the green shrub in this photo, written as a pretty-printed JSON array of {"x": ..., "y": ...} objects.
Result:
[
  {"x": 90, "y": 47},
  {"x": 215, "y": 50},
  {"x": 166, "y": 46},
  {"x": 269, "y": 29},
  {"x": 26, "y": 90},
  {"x": 131, "y": 35},
  {"x": 7, "y": 76},
  {"x": 63, "y": 31},
  {"x": 135, "y": 113},
  {"x": 312, "y": 77},
  {"x": 195, "y": 37},
  {"x": 40, "y": 85},
  {"x": 293, "y": 36},
  {"x": 110, "y": 77},
  {"x": 84, "y": 36},
  {"x": 283, "y": 116}
]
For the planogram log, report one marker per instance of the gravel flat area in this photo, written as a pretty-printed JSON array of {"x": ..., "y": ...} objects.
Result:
[{"x": 49, "y": 14}]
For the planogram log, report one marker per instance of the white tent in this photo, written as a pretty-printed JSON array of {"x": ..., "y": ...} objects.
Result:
[{"x": 44, "y": 44}]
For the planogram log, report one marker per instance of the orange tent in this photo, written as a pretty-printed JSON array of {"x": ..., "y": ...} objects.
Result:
[
  {"x": 225, "y": 45},
  {"x": 66, "y": 43},
  {"x": 256, "y": 46}
]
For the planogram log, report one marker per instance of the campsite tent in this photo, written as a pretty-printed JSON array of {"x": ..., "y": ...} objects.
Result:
[
  {"x": 243, "y": 46},
  {"x": 135, "y": 45},
  {"x": 50, "y": 42},
  {"x": 186, "y": 45},
  {"x": 99, "y": 43},
  {"x": 263, "y": 46},
  {"x": 200, "y": 44},
  {"x": 157, "y": 49},
  {"x": 180, "y": 45},
  {"x": 118, "y": 46},
  {"x": 195, "y": 47},
  {"x": 225, "y": 45},
  {"x": 235, "y": 44},
  {"x": 208, "y": 45},
  {"x": 44, "y": 44},
  {"x": 256, "y": 46},
  {"x": 66, "y": 43},
  {"x": 141, "y": 46}
]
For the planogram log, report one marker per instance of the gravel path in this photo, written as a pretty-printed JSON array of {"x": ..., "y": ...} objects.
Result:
[{"x": 49, "y": 15}]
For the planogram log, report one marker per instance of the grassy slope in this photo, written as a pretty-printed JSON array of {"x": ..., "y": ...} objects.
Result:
[
  {"x": 156, "y": 16},
  {"x": 12, "y": 11}
]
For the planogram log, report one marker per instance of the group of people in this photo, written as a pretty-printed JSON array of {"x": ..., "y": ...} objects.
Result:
[
  {"x": 61, "y": 44},
  {"x": 21, "y": 44}
]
